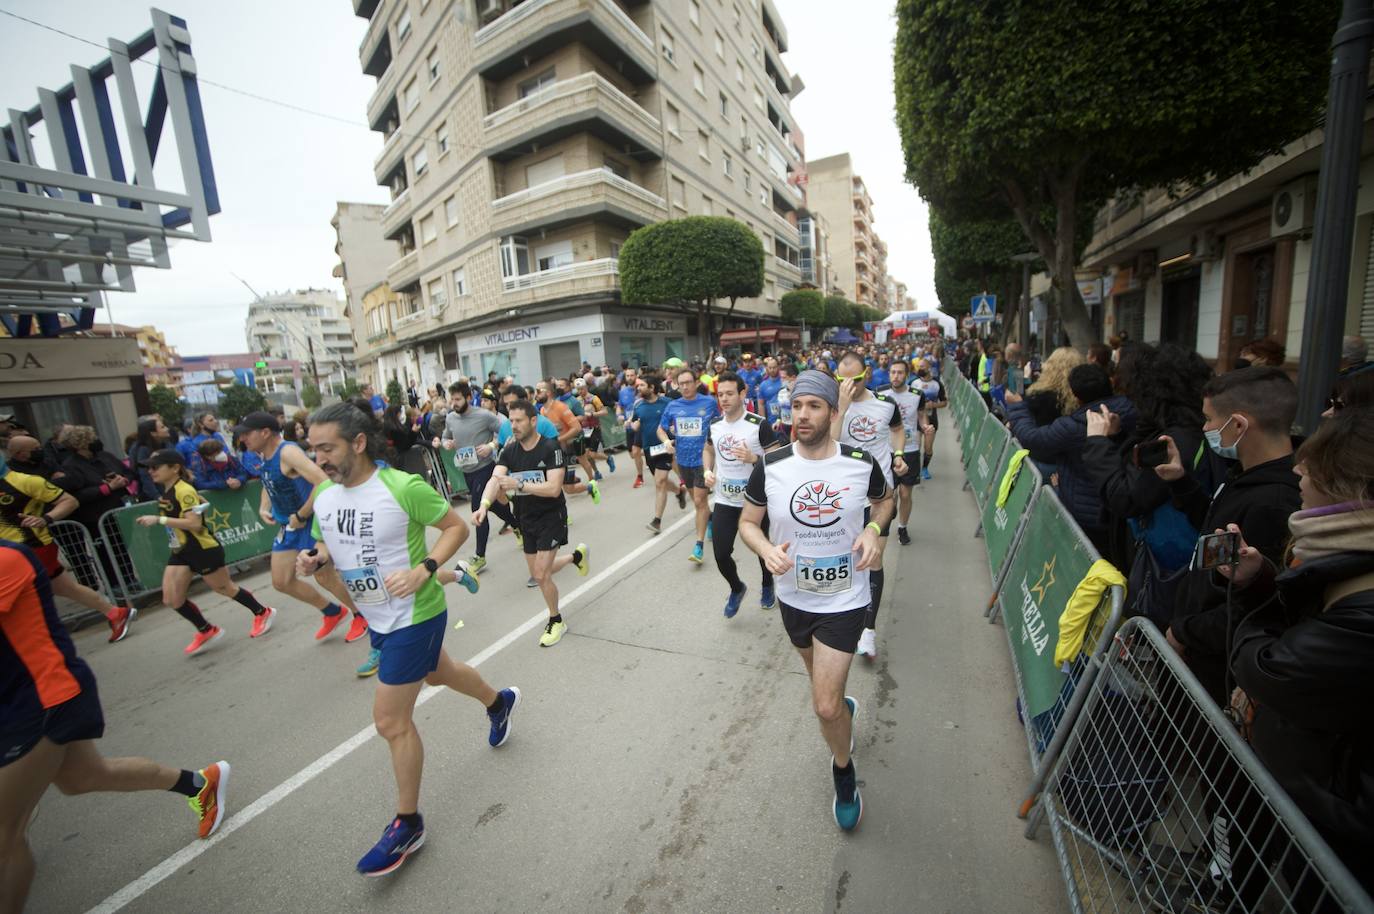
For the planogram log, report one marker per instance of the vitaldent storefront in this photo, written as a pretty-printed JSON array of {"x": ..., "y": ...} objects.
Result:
[
  {"x": 543, "y": 348},
  {"x": 95, "y": 382}
]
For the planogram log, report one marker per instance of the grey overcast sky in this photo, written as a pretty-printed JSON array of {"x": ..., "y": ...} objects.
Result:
[{"x": 280, "y": 171}]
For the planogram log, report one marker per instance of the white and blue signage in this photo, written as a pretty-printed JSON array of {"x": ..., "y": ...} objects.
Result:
[{"x": 983, "y": 308}]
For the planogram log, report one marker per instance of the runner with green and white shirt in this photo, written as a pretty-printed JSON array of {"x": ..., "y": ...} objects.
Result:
[{"x": 370, "y": 523}]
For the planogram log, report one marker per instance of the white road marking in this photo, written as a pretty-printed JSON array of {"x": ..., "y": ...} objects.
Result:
[{"x": 145, "y": 883}]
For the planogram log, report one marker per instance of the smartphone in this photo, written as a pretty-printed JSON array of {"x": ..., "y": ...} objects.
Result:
[
  {"x": 1152, "y": 453},
  {"x": 1215, "y": 549}
]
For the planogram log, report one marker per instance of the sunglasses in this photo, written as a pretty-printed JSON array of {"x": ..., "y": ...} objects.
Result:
[{"x": 841, "y": 378}]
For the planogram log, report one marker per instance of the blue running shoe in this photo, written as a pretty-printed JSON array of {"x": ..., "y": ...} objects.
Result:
[
  {"x": 853, "y": 704},
  {"x": 708, "y": 529},
  {"x": 398, "y": 842},
  {"x": 767, "y": 599},
  {"x": 597, "y": 476},
  {"x": 697, "y": 556},
  {"x": 610, "y": 462},
  {"x": 925, "y": 472},
  {"x": 848, "y": 806},
  {"x": 369, "y": 666},
  {"x": 500, "y": 720},
  {"x": 732, "y": 604}
]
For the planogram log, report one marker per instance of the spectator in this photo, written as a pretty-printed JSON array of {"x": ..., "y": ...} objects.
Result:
[
  {"x": 1050, "y": 397},
  {"x": 1248, "y": 416},
  {"x": 400, "y": 437},
  {"x": 1261, "y": 353},
  {"x": 54, "y": 454},
  {"x": 1351, "y": 391},
  {"x": 1060, "y": 444},
  {"x": 27, "y": 456},
  {"x": 1354, "y": 355},
  {"x": 217, "y": 468},
  {"x": 374, "y": 399},
  {"x": 96, "y": 477},
  {"x": 1015, "y": 377},
  {"x": 1100, "y": 354},
  {"x": 1301, "y": 659},
  {"x": 152, "y": 435}
]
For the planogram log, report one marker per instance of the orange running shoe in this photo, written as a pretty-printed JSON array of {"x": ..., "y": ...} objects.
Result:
[
  {"x": 202, "y": 639},
  {"x": 120, "y": 618},
  {"x": 329, "y": 623},
  {"x": 209, "y": 804},
  {"x": 356, "y": 629},
  {"x": 262, "y": 623}
]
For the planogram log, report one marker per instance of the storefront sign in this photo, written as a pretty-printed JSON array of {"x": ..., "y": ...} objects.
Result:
[
  {"x": 649, "y": 325},
  {"x": 515, "y": 335},
  {"x": 68, "y": 359},
  {"x": 1091, "y": 290}
]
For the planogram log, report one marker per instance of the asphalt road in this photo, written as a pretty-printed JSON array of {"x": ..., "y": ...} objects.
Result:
[{"x": 664, "y": 758}]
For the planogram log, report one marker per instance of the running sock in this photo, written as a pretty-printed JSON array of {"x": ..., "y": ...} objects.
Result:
[
  {"x": 556, "y": 618},
  {"x": 188, "y": 784},
  {"x": 191, "y": 613},
  {"x": 333, "y": 609},
  {"x": 847, "y": 769},
  {"x": 411, "y": 819},
  {"x": 925, "y": 461},
  {"x": 875, "y": 589},
  {"x": 899, "y": 527},
  {"x": 577, "y": 556},
  {"x": 496, "y": 706},
  {"x": 246, "y": 599}
]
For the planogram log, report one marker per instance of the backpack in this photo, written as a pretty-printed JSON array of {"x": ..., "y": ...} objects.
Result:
[{"x": 1165, "y": 541}]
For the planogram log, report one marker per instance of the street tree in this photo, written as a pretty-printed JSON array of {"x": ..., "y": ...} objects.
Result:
[
  {"x": 167, "y": 404},
  {"x": 1041, "y": 109},
  {"x": 692, "y": 263},
  {"x": 238, "y": 400},
  {"x": 310, "y": 396},
  {"x": 839, "y": 312},
  {"x": 803, "y": 306},
  {"x": 394, "y": 393}
]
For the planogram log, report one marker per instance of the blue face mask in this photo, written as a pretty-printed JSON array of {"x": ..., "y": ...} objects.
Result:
[{"x": 1228, "y": 451}]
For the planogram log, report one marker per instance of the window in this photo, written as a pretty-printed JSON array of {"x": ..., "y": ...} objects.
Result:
[
  {"x": 699, "y": 80},
  {"x": 403, "y": 27},
  {"x": 739, "y": 71},
  {"x": 443, "y": 139},
  {"x": 758, "y": 147},
  {"x": 515, "y": 256},
  {"x": 438, "y": 297},
  {"x": 674, "y": 120},
  {"x": 694, "y": 13},
  {"x": 754, "y": 48},
  {"x": 551, "y": 169},
  {"x": 720, "y": 45},
  {"x": 669, "y": 47},
  {"x": 763, "y": 193},
  {"x": 501, "y": 361},
  {"x": 704, "y": 145},
  {"x": 748, "y": 182},
  {"x": 412, "y": 95},
  {"x": 420, "y": 161},
  {"x": 615, "y": 249},
  {"x": 708, "y": 206},
  {"x": 427, "y": 230},
  {"x": 679, "y": 193},
  {"x": 460, "y": 282},
  {"x": 727, "y": 165},
  {"x": 432, "y": 65},
  {"x": 451, "y": 211},
  {"x": 553, "y": 256},
  {"x": 724, "y": 106},
  {"x": 758, "y": 96},
  {"x": 531, "y": 86}
]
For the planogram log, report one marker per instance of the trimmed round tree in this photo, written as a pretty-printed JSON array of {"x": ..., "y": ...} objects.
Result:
[
  {"x": 803, "y": 306},
  {"x": 839, "y": 312}
]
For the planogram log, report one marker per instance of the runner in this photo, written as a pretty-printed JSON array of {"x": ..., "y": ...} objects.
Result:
[
  {"x": 648, "y": 411},
  {"x": 471, "y": 433},
  {"x": 569, "y": 438},
  {"x": 683, "y": 429},
  {"x": 626, "y": 401},
  {"x": 933, "y": 400},
  {"x": 735, "y": 441},
  {"x": 864, "y": 415},
  {"x": 752, "y": 375},
  {"x": 530, "y": 470},
  {"x": 592, "y": 410},
  {"x": 910, "y": 405},
  {"x": 195, "y": 551},
  {"x": 288, "y": 482},
  {"x": 784, "y": 407},
  {"x": 50, "y": 718},
  {"x": 371, "y": 526},
  {"x": 28, "y": 505},
  {"x": 826, "y": 503},
  {"x": 768, "y": 388}
]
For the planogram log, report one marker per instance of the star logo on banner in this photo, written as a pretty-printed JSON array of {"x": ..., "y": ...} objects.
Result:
[
  {"x": 217, "y": 520},
  {"x": 1046, "y": 579}
]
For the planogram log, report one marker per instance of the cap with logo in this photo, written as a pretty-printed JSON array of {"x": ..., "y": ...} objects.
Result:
[
  {"x": 167, "y": 456},
  {"x": 257, "y": 421}
]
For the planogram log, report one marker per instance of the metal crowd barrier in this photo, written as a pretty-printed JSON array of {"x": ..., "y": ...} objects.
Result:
[
  {"x": 1156, "y": 802},
  {"x": 82, "y": 558}
]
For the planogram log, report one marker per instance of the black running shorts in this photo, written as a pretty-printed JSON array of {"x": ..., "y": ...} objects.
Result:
[
  {"x": 839, "y": 631},
  {"x": 544, "y": 532}
]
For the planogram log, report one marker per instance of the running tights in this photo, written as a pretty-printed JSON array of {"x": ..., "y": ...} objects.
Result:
[
  {"x": 875, "y": 591},
  {"x": 724, "y": 528},
  {"x": 477, "y": 484}
]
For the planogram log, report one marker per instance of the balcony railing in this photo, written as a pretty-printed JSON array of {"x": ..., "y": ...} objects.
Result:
[
  {"x": 578, "y": 179},
  {"x": 562, "y": 89},
  {"x": 403, "y": 272},
  {"x": 518, "y": 14},
  {"x": 786, "y": 264},
  {"x": 791, "y": 229},
  {"x": 606, "y": 266}
]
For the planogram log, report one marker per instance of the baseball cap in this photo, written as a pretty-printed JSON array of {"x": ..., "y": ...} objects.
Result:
[
  {"x": 674, "y": 362},
  {"x": 257, "y": 420},
  {"x": 720, "y": 360},
  {"x": 163, "y": 457}
]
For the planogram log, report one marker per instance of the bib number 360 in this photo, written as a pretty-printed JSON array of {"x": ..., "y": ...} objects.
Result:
[
  {"x": 364, "y": 584},
  {"x": 824, "y": 575}
]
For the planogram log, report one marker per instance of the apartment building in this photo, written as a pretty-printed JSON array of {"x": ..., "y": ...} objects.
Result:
[
  {"x": 523, "y": 140},
  {"x": 858, "y": 255},
  {"x": 306, "y": 326},
  {"x": 365, "y": 255}
]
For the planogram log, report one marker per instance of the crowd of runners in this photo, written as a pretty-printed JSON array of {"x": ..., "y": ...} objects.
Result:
[{"x": 807, "y": 459}]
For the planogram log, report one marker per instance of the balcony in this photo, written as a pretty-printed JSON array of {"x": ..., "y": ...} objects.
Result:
[
  {"x": 587, "y": 277},
  {"x": 396, "y": 216},
  {"x": 789, "y": 231},
  {"x": 537, "y": 27},
  {"x": 404, "y": 274},
  {"x": 377, "y": 33},
  {"x": 785, "y": 266},
  {"x": 382, "y": 103},
  {"x": 391, "y": 150},
  {"x": 365, "y": 8},
  {"x": 585, "y": 103},
  {"x": 575, "y": 198}
]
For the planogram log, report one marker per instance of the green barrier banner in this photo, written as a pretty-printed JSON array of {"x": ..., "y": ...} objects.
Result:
[
  {"x": 232, "y": 516},
  {"x": 1044, "y": 571},
  {"x": 999, "y": 524},
  {"x": 984, "y": 424},
  {"x": 987, "y": 453},
  {"x": 457, "y": 483},
  {"x": 612, "y": 432}
]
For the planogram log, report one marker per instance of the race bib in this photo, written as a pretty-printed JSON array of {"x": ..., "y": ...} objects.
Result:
[
  {"x": 364, "y": 584},
  {"x": 689, "y": 427},
  {"x": 732, "y": 489},
  {"x": 824, "y": 575},
  {"x": 530, "y": 478},
  {"x": 587, "y": 432},
  {"x": 656, "y": 449},
  {"x": 465, "y": 457},
  {"x": 172, "y": 542}
]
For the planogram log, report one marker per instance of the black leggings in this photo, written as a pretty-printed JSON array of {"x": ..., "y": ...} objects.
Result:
[
  {"x": 477, "y": 483},
  {"x": 724, "y": 528}
]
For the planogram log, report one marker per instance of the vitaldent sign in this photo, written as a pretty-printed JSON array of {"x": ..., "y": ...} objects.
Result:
[{"x": 649, "y": 325}]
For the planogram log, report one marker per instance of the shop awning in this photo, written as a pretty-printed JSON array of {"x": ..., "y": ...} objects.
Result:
[{"x": 744, "y": 337}]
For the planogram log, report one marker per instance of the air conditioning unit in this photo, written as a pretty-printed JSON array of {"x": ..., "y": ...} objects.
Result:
[
  {"x": 1292, "y": 210},
  {"x": 1207, "y": 247}
]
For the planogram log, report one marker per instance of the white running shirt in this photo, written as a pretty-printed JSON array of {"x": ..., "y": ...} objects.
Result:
[
  {"x": 819, "y": 507},
  {"x": 750, "y": 431},
  {"x": 866, "y": 425}
]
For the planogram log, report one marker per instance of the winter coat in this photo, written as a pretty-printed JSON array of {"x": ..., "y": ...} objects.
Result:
[
  {"x": 1043, "y": 406},
  {"x": 211, "y": 475},
  {"x": 1061, "y": 444},
  {"x": 1260, "y": 501},
  {"x": 85, "y": 479},
  {"x": 1306, "y": 671}
]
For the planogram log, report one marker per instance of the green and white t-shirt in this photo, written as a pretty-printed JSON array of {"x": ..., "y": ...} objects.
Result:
[{"x": 374, "y": 529}]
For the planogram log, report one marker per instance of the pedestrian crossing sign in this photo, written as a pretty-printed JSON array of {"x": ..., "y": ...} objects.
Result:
[{"x": 983, "y": 308}]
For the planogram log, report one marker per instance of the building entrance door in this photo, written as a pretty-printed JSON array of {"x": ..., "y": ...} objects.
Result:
[
  {"x": 1252, "y": 303},
  {"x": 558, "y": 360},
  {"x": 1179, "y": 323}
]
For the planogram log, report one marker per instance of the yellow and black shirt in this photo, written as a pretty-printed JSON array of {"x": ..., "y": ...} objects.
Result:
[
  {"x": 182, "y": 500},
  {"x": 24, "y": 494}
]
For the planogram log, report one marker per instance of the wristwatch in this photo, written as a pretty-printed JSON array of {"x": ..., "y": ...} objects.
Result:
[{"x": 431, "y": 566}]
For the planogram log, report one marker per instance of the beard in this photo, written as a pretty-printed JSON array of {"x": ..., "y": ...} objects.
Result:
[{"x": 812, "y": 436}]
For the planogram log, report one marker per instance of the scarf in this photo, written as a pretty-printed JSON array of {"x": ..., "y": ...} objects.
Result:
[{"x": 1317, "y": 532}]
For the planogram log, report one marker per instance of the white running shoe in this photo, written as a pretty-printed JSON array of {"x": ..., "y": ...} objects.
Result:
[{"x": 867, "y": 646}]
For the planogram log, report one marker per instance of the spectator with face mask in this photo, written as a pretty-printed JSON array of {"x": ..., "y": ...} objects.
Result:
[{"x": 217, "y": 468}]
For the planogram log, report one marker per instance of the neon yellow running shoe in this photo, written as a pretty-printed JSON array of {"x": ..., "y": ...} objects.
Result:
[
  {"x": 553, "y": 633},
  {"x": 584, "y": 565}
]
